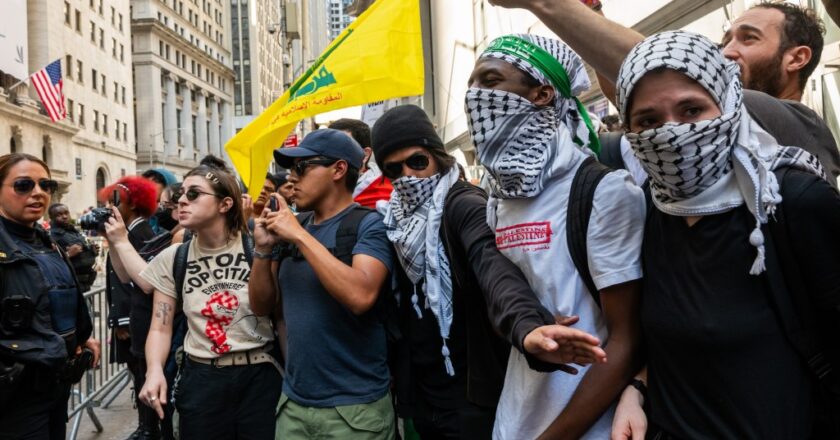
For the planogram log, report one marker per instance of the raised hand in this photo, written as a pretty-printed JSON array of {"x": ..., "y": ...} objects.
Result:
[
  {"x": 283, "y": 223},
  {"x": 115, "y": 230}
]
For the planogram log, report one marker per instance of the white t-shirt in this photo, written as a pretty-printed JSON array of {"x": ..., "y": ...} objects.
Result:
[
  {"x": 532, "y": 233},
  {"x": 216, "y": 304}
]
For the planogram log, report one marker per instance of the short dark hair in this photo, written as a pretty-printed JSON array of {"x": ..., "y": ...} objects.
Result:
[
  {"x": 351, "y": 177},
  {"x": 611, "y": 119},
  {"x": 54, "y": 207},
  {"x": 154, "y": 176},
  {"x": 214, "y": 162},
  {"x": 359, "y": 131},
  {"x": 443, "y": 160},
  {"x": 274, "y": 179},
  {"x": 802, "y": 27}
]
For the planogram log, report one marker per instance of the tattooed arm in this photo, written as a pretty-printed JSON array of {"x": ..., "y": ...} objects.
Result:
[{"x": 157, "y": 350}]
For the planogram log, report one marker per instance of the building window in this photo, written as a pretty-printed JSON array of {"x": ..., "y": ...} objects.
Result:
[
  {"x": 125, "y": 132},
  {"x": 78, "y": 21},
  {"x": 122, "y": 53},
  {"x": 92, "y": 32},
  {"x": 70, "y": 110},
  {"x": 103, "y": 84},
  {"x": 79, "y": 72},
  {"x": 95, "y": 79},
  {"x": 119, "y": 21},
  {"x": 114, "y": 48},
  {"x": 167, "y": 51},
  {"x": 116, "y": 129},
  {"x": 123, "y": 95},
  {"x": 113, "y": 16},
  {"x": 101, "y": 178},
  {"x": 102, "y": 39},
  {"x": 81, "y": 115},
  {"x": 116, "y": 92},
  {"x": 96, "y": 121},
  {"x": 100, "y": 7},
  {"x": 68, "y": 66},
  {"x": 67, "y": 18},
  {"x": 104, "y": 124},
  {"x": 160, "y": 47}
]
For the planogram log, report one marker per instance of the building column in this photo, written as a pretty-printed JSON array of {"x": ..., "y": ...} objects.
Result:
[
  {"x": 215, "y": 147},
  {"x": 170, "y": 115},
  {"x": 227, "y": 122},
  {"x": 188, "y": 151},
  {"x": 201, "y": 123}
]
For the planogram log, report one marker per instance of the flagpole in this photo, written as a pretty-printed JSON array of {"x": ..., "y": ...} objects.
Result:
[{"x": 30, "y": 75}]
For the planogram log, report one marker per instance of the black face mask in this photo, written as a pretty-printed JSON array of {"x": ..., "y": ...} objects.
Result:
[{"x": 164, "y": 219}]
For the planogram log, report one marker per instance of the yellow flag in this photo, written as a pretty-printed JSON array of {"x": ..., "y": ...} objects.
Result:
[{"x": 379, "y": 56}]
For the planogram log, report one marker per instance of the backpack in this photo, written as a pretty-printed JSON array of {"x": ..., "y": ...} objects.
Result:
[
  {"x": 581, "y": 196},
  {"x": 386, "y": 307},
  {"x": 610, "y": 154},
  {"x": 801, "y": 322}
]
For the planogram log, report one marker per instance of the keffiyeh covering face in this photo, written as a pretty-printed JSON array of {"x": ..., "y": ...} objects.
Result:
[
  {"x": 711, "y": 166},
  {"x": 412, "y": 219},
  {"x": 521, "y": 145}
]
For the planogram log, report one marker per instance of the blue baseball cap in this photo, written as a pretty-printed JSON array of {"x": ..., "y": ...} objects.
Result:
[{"x": 334, "y": 144}]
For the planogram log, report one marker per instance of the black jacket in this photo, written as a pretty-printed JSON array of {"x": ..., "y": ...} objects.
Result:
[
  {"x": 21, "y": 275},
  {"x": 497, "y": 305},
  {"x": 119, "y": 294}
]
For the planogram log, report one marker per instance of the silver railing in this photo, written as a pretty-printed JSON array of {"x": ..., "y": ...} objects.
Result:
[{"x": 99, "y": 387}]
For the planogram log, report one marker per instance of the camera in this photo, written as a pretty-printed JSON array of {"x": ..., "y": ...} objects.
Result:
[{"x": 96, "y": 218}]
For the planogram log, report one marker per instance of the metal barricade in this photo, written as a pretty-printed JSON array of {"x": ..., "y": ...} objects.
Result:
[{"x": 99, "y": 387}]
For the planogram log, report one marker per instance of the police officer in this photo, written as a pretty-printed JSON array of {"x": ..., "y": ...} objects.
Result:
[{"x": 45, "y": 327}]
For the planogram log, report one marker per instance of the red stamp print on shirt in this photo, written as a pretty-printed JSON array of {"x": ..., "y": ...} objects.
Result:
[
  {"x": 220, "y": 310},
  {"x": 524, "y": 234}
]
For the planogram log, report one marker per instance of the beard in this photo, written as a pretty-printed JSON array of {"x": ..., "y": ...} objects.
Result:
[{"x": 766, "y": 75}]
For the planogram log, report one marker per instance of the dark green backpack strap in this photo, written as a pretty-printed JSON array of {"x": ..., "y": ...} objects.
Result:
[
  {"x": 610, "y": 154},
  {"x": 248, "y": 248},
  {"x": 347, "y": 234},
  {"x": 179, "y": 271},
  {"x": 581, "y": 197}
]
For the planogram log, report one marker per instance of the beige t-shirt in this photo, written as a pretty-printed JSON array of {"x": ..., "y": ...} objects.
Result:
[{"x": 219, "y": 316}]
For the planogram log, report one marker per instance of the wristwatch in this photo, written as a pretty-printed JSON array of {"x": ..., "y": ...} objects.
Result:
[{"x": 639, "y": 385}]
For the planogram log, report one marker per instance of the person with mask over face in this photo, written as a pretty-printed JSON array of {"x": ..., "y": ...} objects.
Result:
[
  {"x": 742, "y": 291},
  {"x": 458, "y": 292},
  {"x": 535, "y": 139}
]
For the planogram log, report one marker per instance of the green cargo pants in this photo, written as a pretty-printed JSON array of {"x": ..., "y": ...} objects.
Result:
[{"x": 368, "y": 421}]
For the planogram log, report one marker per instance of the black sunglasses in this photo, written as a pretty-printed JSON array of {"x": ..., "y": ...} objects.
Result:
[
  {"x": 193, "y": 194},
  {"x": 300, "y": 167},
  {"x": 417, "y": 162},
  {"x": 25, "y": 186}
]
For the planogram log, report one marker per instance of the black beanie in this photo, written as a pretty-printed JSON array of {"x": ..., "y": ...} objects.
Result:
[{"x": 400, "y": 127}]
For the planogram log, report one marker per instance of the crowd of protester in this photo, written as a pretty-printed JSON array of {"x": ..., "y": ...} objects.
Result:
[{"x": 667, "y": 273}]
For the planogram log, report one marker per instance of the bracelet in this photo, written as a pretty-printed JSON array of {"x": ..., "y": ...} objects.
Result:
[
  {"x": 262, "y": 256},
  {"x": 639, "y": 385}
]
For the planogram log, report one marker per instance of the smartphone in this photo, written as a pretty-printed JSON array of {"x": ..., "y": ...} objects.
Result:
[
  {"x": 116, "y": 198},
  {"x": 273, "y": 206}
]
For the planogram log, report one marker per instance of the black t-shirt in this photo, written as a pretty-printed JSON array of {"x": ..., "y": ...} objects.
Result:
[
  {"x": 719, "y": 363},
  {"x": 427, "y": 361},
  {"x": 141, "y": 302}
]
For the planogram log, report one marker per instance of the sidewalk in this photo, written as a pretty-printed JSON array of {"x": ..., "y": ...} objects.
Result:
[{"x": 118, "y": 420}]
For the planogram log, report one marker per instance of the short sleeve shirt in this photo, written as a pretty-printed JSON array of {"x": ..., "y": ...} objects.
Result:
[
  {"x": 531, "y": 232},
  {"x": 215, "y": 302},
  {"x": 335, "y": 357}
]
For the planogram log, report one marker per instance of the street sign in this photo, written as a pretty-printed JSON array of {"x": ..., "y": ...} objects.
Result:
[{"x": 291, "y": 141}]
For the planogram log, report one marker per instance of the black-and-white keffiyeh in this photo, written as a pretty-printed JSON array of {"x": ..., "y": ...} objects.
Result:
[
  {"x": 412, "y": 220},
  {"x": 523, "y": 146},
  {"x": 711, "y": 166}
]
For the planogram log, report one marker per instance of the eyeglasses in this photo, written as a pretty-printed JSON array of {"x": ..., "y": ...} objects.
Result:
[
  {"x": 417, "y": 162},
  {"x": 193, "y": 194},
  {"x": 300, "y": 167},
  {"x": 25, "y": 186}
]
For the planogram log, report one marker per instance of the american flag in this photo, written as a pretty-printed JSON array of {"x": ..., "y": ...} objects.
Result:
[{"x": 49, "y": 85}]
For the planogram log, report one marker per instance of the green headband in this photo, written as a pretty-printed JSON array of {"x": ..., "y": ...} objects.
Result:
[{"x": 543, "y": 61}]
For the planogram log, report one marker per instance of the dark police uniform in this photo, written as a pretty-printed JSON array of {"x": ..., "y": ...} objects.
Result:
[{"x": 43, "y": 318}]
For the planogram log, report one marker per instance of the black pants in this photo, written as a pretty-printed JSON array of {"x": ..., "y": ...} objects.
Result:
[
  {"x": 227, "y": 402},
  {"x": 37, "y": 409},
  {"x": 468, "y": 421}
]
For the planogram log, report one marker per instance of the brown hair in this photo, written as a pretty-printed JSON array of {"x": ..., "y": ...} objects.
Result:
[
  {"x": 802, "y": 27},
  {"x": 443, "y": 160},
  {"x": 225, "y": 185},
  {"x": 10, "y": 160}
]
